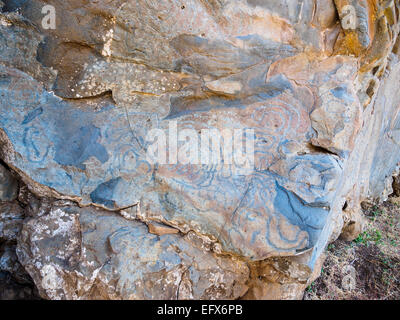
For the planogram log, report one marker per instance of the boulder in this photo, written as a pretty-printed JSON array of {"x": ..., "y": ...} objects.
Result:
[
  {"x": 89, "y": 253},
  {"x": 310, "y": 86}
]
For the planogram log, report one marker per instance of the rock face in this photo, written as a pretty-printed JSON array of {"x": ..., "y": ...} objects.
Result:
[
  {"x": 75, "y": 253},
  {"x": 15, "y": 282},
  {"x": 8, "y": 185},
  {"x": 312, "y": 84}
]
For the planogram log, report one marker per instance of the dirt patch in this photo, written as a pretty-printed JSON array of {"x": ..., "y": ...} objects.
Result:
[{"x": 367, "y": 268}]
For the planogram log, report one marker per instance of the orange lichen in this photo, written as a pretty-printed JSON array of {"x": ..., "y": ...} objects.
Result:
[{"x": 349, "y": 44}]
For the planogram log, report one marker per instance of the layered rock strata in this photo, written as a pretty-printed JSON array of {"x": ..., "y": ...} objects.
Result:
[{"x": 315, "y": 81}]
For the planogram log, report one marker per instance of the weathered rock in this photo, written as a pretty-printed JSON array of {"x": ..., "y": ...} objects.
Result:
[
  {"x": 278, "y": 278},
  {"x": 396, "y": 186},
  {"x": 160, "y": 229},
  {"x": 92, "y": 169},
  {"x": 12, "y": 290},
  {"x": 11, "y": 218},
  {"x": 9, "y": 263},
  {"x": 354, "y": 223},
  {"x": 75, "y": 253},
  {"x": 78, "y": 103},
  {"x": 8, "y": 185},
  {"x": 15, "y": 282}
]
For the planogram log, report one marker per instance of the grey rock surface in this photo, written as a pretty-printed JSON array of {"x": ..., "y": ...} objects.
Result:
[
  {"x": 79, "y": 101},
  {"x": 11, "y": 219},
  {"x": 8, "y": 185},
  {"x": 75, "y": 253}
]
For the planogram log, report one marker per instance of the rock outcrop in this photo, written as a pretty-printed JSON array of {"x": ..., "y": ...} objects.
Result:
[{"x": 311, "y": 84}]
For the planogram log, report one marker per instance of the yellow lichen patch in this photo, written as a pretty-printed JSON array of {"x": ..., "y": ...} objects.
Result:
[
  {"x": 358, "y": 40},
  {"x": 390, "y": 15},
  {"x": 379, "y": 47},
  {"x": 372, "y": 6},
  {"x": 349, "y": 44}
]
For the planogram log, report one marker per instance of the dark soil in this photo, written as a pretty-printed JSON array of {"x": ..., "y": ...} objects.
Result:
[{"x": 367, "y": 268}]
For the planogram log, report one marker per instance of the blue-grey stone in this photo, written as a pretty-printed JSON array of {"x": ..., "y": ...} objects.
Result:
[{"x": 8, "y": 185}]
